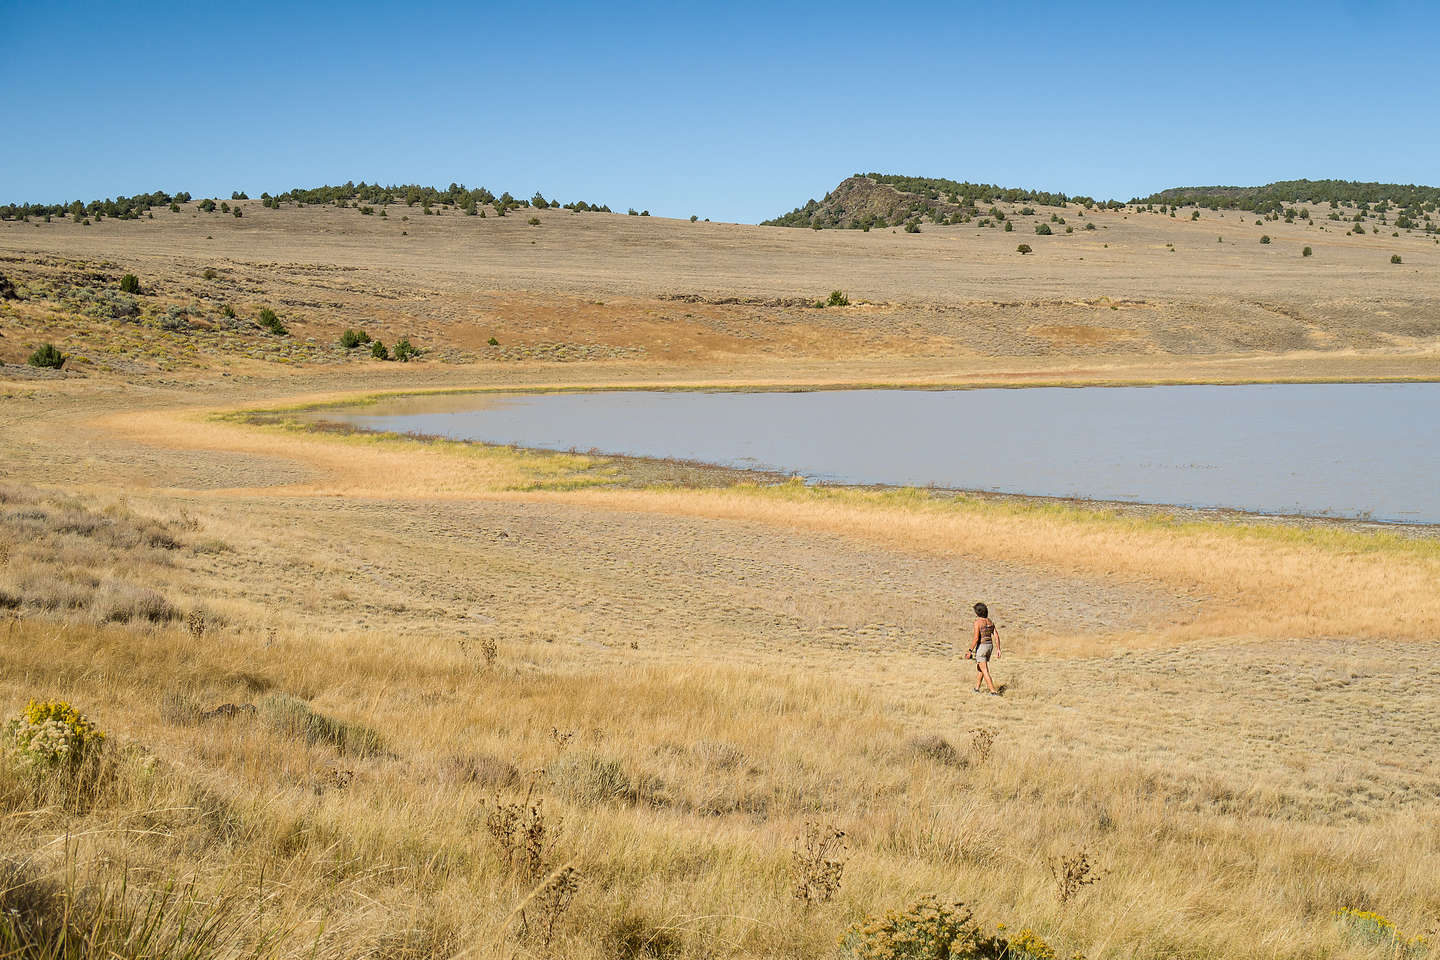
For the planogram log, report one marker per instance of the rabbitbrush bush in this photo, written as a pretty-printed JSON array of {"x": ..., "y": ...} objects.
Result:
[
  {"x": 929, "y": 929},
  {"x": 50, "y": 735}
]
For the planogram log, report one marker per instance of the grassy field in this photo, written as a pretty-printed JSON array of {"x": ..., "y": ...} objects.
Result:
[{"x": 489, "y": 702}]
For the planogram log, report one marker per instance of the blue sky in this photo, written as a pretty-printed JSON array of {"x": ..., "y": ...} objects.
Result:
[{"x": 733, "y": 111}]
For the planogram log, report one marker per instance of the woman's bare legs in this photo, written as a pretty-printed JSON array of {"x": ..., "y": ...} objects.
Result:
[
  {"x": 985, "y": 672},
  {"x": 979, "y": 674}
]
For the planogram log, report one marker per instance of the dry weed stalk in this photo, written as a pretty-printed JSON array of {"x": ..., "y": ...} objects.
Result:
[
  {"x": 1072, "y": 872},
  {"x": 819, "y": 863},
  {"x": 982, "y": 741},
  {"x": 521, "y": 833},
  {"x": 551, "y": 902}
]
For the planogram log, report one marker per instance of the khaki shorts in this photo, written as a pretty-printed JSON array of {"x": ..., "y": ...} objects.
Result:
[{"x": 983, "y": 651}]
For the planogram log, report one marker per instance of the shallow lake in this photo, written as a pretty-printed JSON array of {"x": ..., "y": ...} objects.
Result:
[{"x": 1347, "y": 450}]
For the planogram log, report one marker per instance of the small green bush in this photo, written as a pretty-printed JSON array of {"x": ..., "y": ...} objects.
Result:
[
  {"x": 1009, "y": 226},
  {"x": 1306, "y": 252},
  {"x": 1395, "y": 258},
  {"x": 404, "y": 351},
  {"x": 912, "y": 227},
  {"x": 493, "y": 342},
  {"x": 272, "y": 323},
  {"x": 533, "y": 221},
  {"x": 1023, "y": 248},
  {"x": 1089, "y": 226},
  {"x": 693, "y": 218},
  {"x": 590, "y": 779},
  {"x": 351, "y": 339},
  {"x": 837, "y": 299},
  {"x": 1265, "y": 238},
  {"x": 48, "y": 356},
  {"x": 293, "y": 716},
  {"x": 130, "y": 284},
  {"x": 1043, "y": 229},
  {"x": 378, "y": 351}
]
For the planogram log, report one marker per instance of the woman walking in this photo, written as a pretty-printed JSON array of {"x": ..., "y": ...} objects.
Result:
[{"x": 983, "y": 646}]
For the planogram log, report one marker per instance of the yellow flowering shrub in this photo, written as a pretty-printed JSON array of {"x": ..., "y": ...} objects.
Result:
[
  {"x": 49, "y": 734},
  {"x": 929, "y": 929},
  {"x": 1372, "y": 928},
  {"x": 1027, "y": 945}
]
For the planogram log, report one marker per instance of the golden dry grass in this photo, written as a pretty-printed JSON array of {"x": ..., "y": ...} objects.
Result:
[{"x": 1237, "y": 720}]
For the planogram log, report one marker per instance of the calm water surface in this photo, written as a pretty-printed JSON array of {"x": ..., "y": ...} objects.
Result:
[{"x": 1347, "y": 450}]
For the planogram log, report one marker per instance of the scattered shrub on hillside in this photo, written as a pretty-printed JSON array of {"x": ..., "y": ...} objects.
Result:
[
  {"x": 1306, "y": 252},
  {"x": 912, "y": 226},
  {"x": 210, "y": 273},
  {"x": 533, "y": 221},
  {"x": 269, "y": 321},
  {"x": 48, "y": 356},
  {"x": 644, "y": 213},
  {"x": 367, "y": 211},
  {"x": 837, "y": 299},
  {"x": 1043, "y": 229},
  {"x": 1023, "y": 248},
  {"x": 818, "y": 865},
  {"x": 227, "y": 311},
  {"x": 1265, "y": 238},
  {"x": 404, "y": 351},
  {"x": 493, "y": 342},
  {"x": 207, "y": 205},
  {"x": 1089, "y": 226},
  {"x": 130, "y": 284},
  {"x": 127, "y": 603},
  {"x": 237, "y": 212},
  {"x": 1009, "y": 227},
  {"x": 693, "y": 218},
  {"x": 7, "y": 289},
  {"x": 378, "y": 351},
  {"x": 1395, "y": 258},
  {"x": 351, "y": 339}
]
